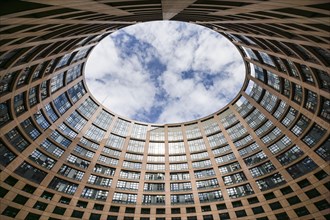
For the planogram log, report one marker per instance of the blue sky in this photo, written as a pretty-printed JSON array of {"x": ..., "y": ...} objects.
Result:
[{"x": 164, "y": 72}]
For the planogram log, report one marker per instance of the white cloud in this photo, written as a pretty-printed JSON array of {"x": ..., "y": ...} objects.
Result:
[{"x": 122, "y": 79}]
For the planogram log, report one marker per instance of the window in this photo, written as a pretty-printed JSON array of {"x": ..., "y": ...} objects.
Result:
[
  {"x": 33, "y": 97},
  {"x": 41, "y": 120},
  {"x": 103, "y": 120},
  {"x": 210, "y": 126},
  {"x": 204, "y": 184},
  {"x": 6, "y": 155},
  {"x": 303, "y": 183},
  {"x": 136, "y": 146},
  {"x": 125, "y": 185},
  {"x": 77, "y": 92},
  {"x": 40, "y": 206},
  {"x": 19, "y": 103},
  {"x": 50, "y": 112},
  {"x": 11, "y": 181},
  {"x": 67, "y": 131},
  {"x": 91, "y": 193},
  {"x": 77, "y": 214},
  {"x": 312, "y": 193},
  {"x": 180, "y": 186},
  {"x": 82, "y": 204},
  {"x": 293, "y": 200},
  {"x": 99, "y": 181},
  {"x": 88, "y": 143},
  {"x": 4, "y": 113},
  {"x": 62, "y": 103},
  {"x": 157, "y": 134},
  {"x": 20, "y": 199},
  {"x": 138, "y": 166},
  {"x": 192, "y": 131},
  {"x": 273, "y": 80},
  {"x": 179, "y": 166},
  {"x": 247, "y": 139},
  {"x": 124, "y": 198},
  {"x": 139, "y": 131},
  {"x": 301, "y": 168},
  {"x": 240, "y": 191},
  {"x": 129, "y": 174},
  {"x": 30, "y": 129},
  {"x": 256, "y": 158},
  {"x": 29, "y": 189},
  {"x": 160, "y": 211},
  {"x": 114, "y": 209},
  {"x": 311, "y": 101},
  {"x": 76, "y": 121},
  {"x": 270, "y": 182},
  {"x": 63, "y": 61},
  {"x": 221, "y": 206},
  {"x": 59, "y": 210},
  {"x": 117, "y": 142},
  {"x": 78, "y": 161},
  {"x": 71, "y": 173},
  {"x": 87, "y": 108},
  {"x": 114, "y": 162},
  {"x": 300, "y": 126},
  {"x": 95, "y": 133},
  {"x": 10, "y": 211},
  {"x": 258, "y": 210},
  {"x": 129, "y": 210},
  {"x": 210, "y": 196},
  {"x": 253, "y": 200},
  {"x": 224, "y": 216},
  {"x": 30, "y": 172},
  {"x": 42, "y": 159},
  {"x": 153, "y": 199},
  {"x": 156, "y": 148},
  {"x": 155, "y": 167},
  {"x": 324, "y": 151},
  {"x": 109, "y": 171},
  {"x": 225, "y": 158},
  {"x": 182, "y": 198},
  {"x": 234, "y": 178},
  {"x": 240, "y": 213},
  {"x": 249, "y": 149},
  {"x": 196, "y": 145},
  {"x": 290, "y": 116},
  {"x": 56, "y": 82},
  {"x": 83, "y": 152},
  {"x": 221, "y": 150},
  {"x": 63, "y": 186},
  {"x": 121, "y": 127},
  {"x": 302, "y": 211},
  {"x": 236, "y": 131},
  {"x": 73, "y": 73},
  {"x": 314, "y": 135},
  {"x": 154, "y": 176},
  {"x": 17, "y": 140},
  {"x": 292, "y": 154},
  {"x": 275, "y": 205},
  {"x": 176, "y": 148},
  {"x": 322, "y": 205},
  {"x": 191, "y": 210},
  {"x": 52, "y": 148},
  {"x": 60, "y": 139}
]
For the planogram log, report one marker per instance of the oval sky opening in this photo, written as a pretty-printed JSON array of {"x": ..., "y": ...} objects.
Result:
[{"x": 165, "y": 72}]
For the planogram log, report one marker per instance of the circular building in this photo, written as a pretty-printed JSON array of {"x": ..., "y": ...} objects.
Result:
[{"x": 263, "y": 156}]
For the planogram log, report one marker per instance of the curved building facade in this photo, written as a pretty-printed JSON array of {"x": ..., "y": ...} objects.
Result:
[{"x": 263, "y": 156}]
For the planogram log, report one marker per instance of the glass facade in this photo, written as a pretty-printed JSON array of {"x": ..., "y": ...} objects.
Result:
[{"x": 263, "y": 156}]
